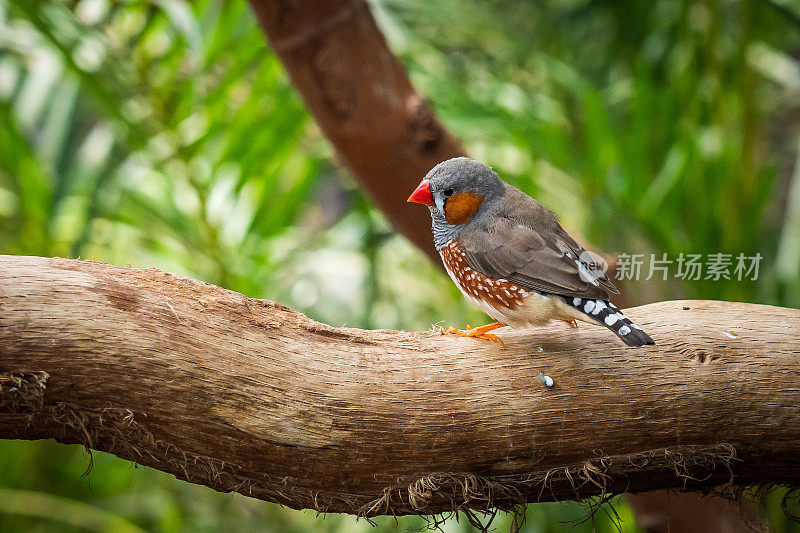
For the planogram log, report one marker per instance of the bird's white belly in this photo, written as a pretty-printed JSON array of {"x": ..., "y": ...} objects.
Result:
[{"x": 538, "y": 309}]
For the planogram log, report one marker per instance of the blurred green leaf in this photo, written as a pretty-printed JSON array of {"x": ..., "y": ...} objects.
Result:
[{"x": 59, "y": 509}]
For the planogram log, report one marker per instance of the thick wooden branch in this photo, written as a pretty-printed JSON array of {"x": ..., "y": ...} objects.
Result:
[
  {"x": 245, "y": 395},
  {"x": 362, "y": 99}
]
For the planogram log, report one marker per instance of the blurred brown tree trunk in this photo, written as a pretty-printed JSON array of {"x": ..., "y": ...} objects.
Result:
[
  {"x": 384, "y": 130},
  {"x": 359, "y": 94},
  {"x": 661, "y": 511}
]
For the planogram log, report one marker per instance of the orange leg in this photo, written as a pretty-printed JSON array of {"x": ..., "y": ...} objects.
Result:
[
  {"x": 571, "y": 322},
  {"x": 479, "y": 333}
]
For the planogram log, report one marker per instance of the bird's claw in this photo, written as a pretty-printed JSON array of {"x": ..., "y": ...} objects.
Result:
[
  {"x": 571, "y": 322},
  {"x": 479, "y": 333}
]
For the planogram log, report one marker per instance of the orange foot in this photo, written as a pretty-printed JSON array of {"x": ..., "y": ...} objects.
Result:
[
  {"x": 479, "y": 333},
  {"x": 571, "y": 322}
]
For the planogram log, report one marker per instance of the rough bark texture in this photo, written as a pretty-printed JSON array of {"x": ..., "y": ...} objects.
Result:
[
  {"x": 245, "y": 395},
  {"x": 361, "y": 97}
]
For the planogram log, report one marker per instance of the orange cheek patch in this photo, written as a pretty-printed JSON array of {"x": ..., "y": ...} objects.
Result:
[{"x": 461, "y": 206}]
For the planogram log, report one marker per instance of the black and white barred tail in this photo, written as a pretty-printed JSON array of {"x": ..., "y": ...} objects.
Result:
[{"x": 607, "y": 314}]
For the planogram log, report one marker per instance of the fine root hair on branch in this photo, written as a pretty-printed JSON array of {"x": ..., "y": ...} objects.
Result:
[{"x": 596, "y": 482}]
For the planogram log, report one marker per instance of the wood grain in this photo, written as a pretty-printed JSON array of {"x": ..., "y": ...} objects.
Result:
[{"x": 247, "y": 395}]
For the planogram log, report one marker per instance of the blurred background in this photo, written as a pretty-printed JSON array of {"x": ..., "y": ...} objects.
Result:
[{"x": 165, "y": 133}]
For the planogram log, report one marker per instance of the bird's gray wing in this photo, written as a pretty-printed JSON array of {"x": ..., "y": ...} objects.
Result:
[{"x": 542, "y": 258}]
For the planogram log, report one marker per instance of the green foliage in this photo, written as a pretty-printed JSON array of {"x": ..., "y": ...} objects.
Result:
[{"x": 165, "y": 134}]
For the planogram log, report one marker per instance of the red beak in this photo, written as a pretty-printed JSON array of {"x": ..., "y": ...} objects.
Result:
[{"x": 422, "y": 194}]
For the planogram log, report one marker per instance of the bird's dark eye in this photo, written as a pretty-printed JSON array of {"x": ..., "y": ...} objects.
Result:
[{"x": 448, "y": 192}]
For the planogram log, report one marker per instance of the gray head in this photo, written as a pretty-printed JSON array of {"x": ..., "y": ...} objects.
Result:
[{"x": 460, "y": 193}]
